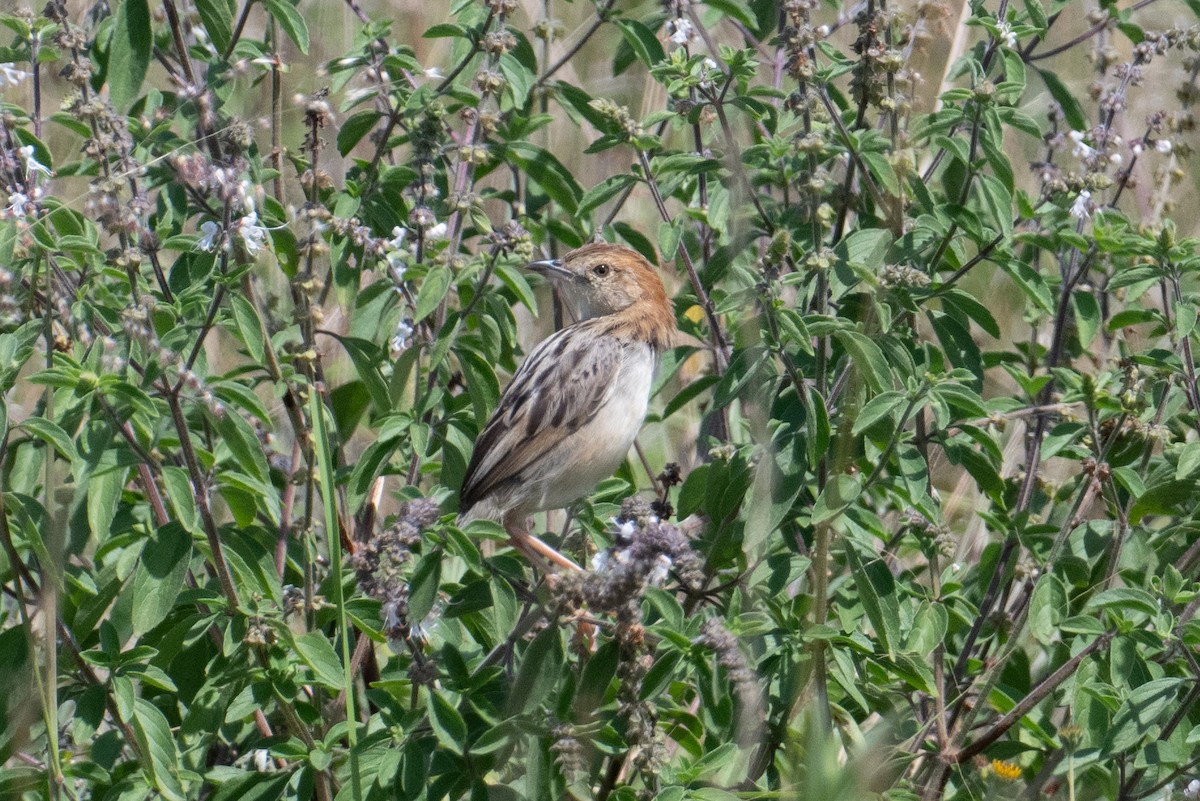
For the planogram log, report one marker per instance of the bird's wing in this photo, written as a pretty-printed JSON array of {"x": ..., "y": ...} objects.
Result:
[{"x": 558, "y": 388}]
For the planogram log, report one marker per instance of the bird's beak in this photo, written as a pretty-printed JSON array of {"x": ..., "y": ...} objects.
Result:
[{"x": 551, "y": 268}]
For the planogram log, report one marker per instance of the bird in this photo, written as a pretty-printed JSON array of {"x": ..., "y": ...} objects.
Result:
[{"x": 567, "y": 419}]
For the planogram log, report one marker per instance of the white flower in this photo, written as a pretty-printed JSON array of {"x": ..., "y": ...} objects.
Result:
[
  {"x": 625, "y": 530},
  {"x": 1115, "y": 159},
  {"x": 1082, "y": 149},
  {"x": 1136, "y": 148},
  {"x": 436, "y": 232},
  {"x": 399, "y": 341},
  {"x": 10, "y": 75},
  {"x": 661, "y": 570},
  {"x": 1192, "y": 791},
  {"x": 32, "y": 165},
  {"x": 397, "y": 265},
  {"x": 681, "y": 30},
  {"x": 398, "y": 235},
  {"x": 211, "y": 231},
  {"x": 1082, "y": 207},
  {"x": 246, "y": 195},
  {"x": 600, "y": 562},
  {"x": 261, "y": 758},
  {"x": 1163, "y": 146},
  {"x": 254, "y": 236},
  {"x": 1005, "y": 34},
  {"x": 822, "y": 31},
  {"x": 18, "y": 204},
  {"x": 434, "y": 72}
]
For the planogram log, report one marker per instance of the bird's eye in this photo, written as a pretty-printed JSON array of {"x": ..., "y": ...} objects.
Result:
[{"x": 601, "y": 270}]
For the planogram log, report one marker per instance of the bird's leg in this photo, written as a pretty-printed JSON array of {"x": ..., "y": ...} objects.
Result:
[
  {"x": 539, "y": 553},
  {"x": 533, "y": 548}
]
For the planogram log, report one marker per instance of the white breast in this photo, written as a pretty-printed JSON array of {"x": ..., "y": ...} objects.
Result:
[{"x": 594, "y": 451}]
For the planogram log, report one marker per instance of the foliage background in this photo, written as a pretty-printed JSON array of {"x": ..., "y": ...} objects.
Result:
[{"x": 937, "y": 415}]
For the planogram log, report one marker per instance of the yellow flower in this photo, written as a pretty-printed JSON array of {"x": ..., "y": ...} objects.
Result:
[{"x": 1007, "y": 771}]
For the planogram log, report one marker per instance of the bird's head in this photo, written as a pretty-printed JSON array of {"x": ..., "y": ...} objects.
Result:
[{"x": 601, "y": 279}]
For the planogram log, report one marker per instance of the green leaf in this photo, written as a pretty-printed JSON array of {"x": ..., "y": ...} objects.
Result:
[
  {"x": 423, "y": 588},
  {"x": 1142, "y": 713},
  {"x": 1189, "y": 460},
  {"x": 1065, "y": 98},
  {"x": 1087, "y": 316},
  {"x": 242, "y": 442},
  {"x": 643, "y": 41},
  {"x": 840, "y": 492},
  {"x": 1046, "y": 608},
  {"x": 603, "y": 192},
  {"x": 538, "y": 672},
  {"x": 129, "y": 52},
  {"x": 867, "y": 359},
  {"x": 865, "y": 247},
  {"x": 1125, "y": 599},
  {"x": 178, "y": 485},
  {"x": 929, "y": 626},
  {"x": 549, "y": 173},
  {"x": 519, "y": 78},
  {"x": 217, "y": 18},
  {"x": 876, "y": 409},
  {"x": 317, "y": 652},
  {"x": 253, "y": 786},
  {"x": 355, "y": 127},
  {"x": 366, "y": 357},
  {"x": 669, "y": 235},
  {"x": 996, "y": 201},
  {"x": 159, "y": 577},
  {"x": 104, "y": 488},
  {"x": 160, "y": 759},
  {"x": 290, "y": 20},
  {"x": 433, "y": 289},
  {"x": 50, "y": 433},
  {"x": 448, "y": 725},
  {"x": 1164, "y": 499},
  {"x": 249, "y": 327},
  {"x": 877, "y": 590}
]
